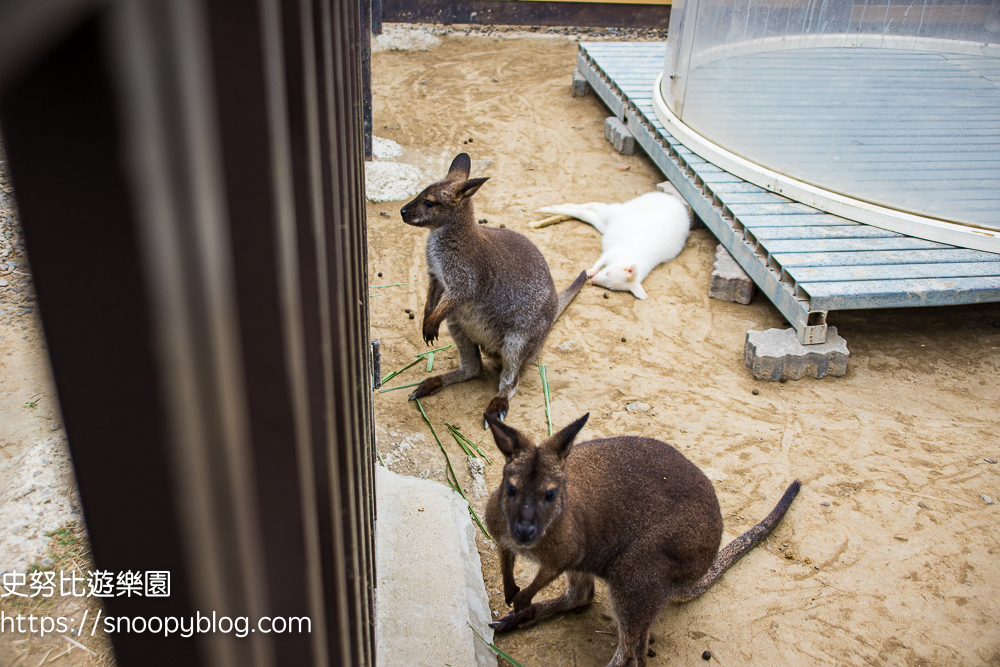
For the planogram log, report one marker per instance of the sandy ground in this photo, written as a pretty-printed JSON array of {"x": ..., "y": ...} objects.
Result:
[
  {"x": 887, "y": 557},
  {"x": 40, "y": 516}
]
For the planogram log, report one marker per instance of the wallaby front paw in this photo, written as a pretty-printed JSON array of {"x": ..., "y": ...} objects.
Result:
[
  {"x": 508, "y": 595},
  {"x": 522, "y": 601},
  {"x": 430, "y": 332},
  {"x": 497, "y": 409},
  {"x": 428, "y": 387}
]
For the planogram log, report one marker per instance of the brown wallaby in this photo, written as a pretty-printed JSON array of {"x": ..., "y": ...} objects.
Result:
[
  {"x": 633, "y": 511},
  {"x": 491, "y": 285}
]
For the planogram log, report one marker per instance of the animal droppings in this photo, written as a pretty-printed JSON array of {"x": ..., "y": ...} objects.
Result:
[
  {"x": 606, "y": 296},
  {"x": 706, "y": 655},
  {"x": 623, "y": 339},
  {"x": 755, "y": 392},
  {"x": 503, "y": 226},
  {"x": 483, "y": 221},
  {"x": 410, "y": 316},
  {"x": 405, "y": 310},
  {"x": 650, "y": 653},
  {"x": 789, "y": 555},
  {"x": 379, "y": 274}
]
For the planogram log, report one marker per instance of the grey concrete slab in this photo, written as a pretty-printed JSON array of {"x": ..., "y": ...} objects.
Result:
[
  {"x": 776, "y": 354},
  {"x": 430, "y": 579},
  {"x": 580, "y": 85},
  {"x": 619, "y": 135},
  {"x": 729, "y": 282}
]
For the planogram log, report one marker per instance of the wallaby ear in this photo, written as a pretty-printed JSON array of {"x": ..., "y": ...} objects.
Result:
[
  {"x": 467, "y": 188},
  {"x": 507, "y": 438},
  {"x": 460, "y": 167},
  {"x": 562, "y": 442}
]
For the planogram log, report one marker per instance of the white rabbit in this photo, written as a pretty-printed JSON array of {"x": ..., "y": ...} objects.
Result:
[{"x": 639, "y": 235}]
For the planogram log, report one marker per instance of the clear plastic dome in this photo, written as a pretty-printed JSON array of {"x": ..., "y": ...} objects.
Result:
[{"x": 893, "y": 105}]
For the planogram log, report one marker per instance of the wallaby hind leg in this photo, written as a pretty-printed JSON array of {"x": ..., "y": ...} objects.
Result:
[
  {"x": 636, "y": 602},
  {"x": 634, "y": 619},
  {"x": 589, "y": 213},
  {"x": 470, "y": 365},
  {"x": 515, "y": 352},
  {"x": 579, "y": 593}
]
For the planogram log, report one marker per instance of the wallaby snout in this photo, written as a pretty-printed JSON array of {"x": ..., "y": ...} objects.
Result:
[{"x": 524, "y": 533}]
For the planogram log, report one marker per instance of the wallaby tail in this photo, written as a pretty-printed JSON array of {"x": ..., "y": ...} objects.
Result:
[
  {"x": 736, "y": 549},
  {"x": 568, "y": 294}
]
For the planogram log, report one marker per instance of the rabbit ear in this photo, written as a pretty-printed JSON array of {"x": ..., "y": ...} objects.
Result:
[{"x": 460, "y": 167}]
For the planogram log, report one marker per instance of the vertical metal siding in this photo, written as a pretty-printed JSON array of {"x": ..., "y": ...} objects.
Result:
[{"x": 222, "y": 363}]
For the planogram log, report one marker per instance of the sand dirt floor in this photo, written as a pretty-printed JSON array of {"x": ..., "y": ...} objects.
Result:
[{"x": 889, "y": 556}]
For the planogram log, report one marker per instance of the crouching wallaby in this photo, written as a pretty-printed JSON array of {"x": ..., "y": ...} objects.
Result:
[
  {"x": 491, "y": 285},
  {"x": 633, "y": 511}
]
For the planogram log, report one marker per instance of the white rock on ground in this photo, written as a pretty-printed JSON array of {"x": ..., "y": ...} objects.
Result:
[
  {"x": 477, "y": 469},
  {"x": 36, "y": 502},
  {"x": 385, "y": 149},
  {"x": 430, "y": 579},
  {"x": 392, "y": 181},
  {"x": 399, "y": 38}
]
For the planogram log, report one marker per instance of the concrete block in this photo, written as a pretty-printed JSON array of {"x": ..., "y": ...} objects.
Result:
[
  {"x": 776, "y": 354},
  {"x": 619, "y": 135},
  {"x": 430, "y": 579},
  {"x": 581, "y": 86},
  {"x": 668, "y": 188},
  {"x": 729, "y": 281}
]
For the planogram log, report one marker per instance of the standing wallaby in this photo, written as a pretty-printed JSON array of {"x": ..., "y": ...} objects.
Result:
[
  {"x": 633, "y": 511},
  {"x": 491, "y": 285},
  {"x": 639, "y": 235}
]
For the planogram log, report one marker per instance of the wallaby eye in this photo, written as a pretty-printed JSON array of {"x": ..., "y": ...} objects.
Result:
[
  {"x": 428, "y": 203},
  {"x": 511, "y": 491},
  {"x": 550, "y": 495}
]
